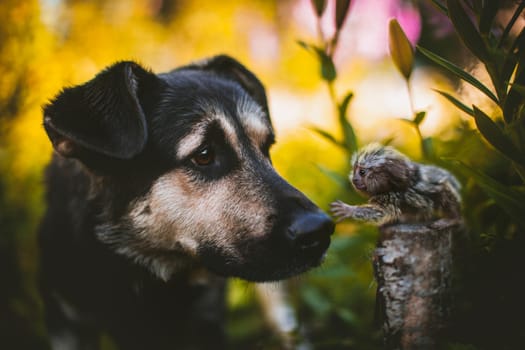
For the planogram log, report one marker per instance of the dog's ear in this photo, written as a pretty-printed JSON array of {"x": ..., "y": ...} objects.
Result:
[
  {"x": 229, "y": 68},
  {"x": 104, "y": 115}
]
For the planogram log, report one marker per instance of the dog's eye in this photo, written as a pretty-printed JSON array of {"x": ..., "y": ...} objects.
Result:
[{"x": 205, "y": 156}]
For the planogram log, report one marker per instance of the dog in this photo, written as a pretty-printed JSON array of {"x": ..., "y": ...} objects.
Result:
[{"x": 161, "y": 186}]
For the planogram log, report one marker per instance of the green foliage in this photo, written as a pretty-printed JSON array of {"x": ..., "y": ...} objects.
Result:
[
  {"x": 336, "y": 301},
  {"x": 338, "y": 298},
  {"x": 328, "y": 73},
  {"x": 349, "y": 137},
  {"x": 456, "y": 102},
  {"x": 457, "y": 71},
  {"x": 342, "y": 316},
  {"x": 511, "y": 201},
  {"x": 487, "y": 154},
  {"x": 490, "y": 162},
  {"x": 501, "y": 56}
]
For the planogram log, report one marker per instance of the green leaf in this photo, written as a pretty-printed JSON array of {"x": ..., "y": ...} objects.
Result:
[
  {"x": 496, "y": 137},
  {"x": 466, "y": 30},
  {"x": 340, "y": 180},
  {"x": 319, "y": 304},
  {"x": 440, "y": 6},
  {"x": 508, "y": 67},
  {"x": 510, "y": 63},
  {"x": 420, "y": 116},
  {"x": 328, "y": 71},
  {"x": 514, "y": 100},
  {"x": 509, "y": 26},
  {"x": 428, "y": 147},
  {"x": 519, "y": 88},
  {"x": 327, "y": 136},
  {"x": 348, "y": 316},
  {"x": 349, "y": 137},
  {"x": 488, "y": 13},
  {"x": 452, "y": 68},
  {"x": 511, "y": 201},
  {"x": 306, "y": 46},
  {"x": 401, "y": 50},
  {"x": 319, "y": 7},
  {"x": 511, "y": 59},
  {"x": 343, "y": 106},
  {"x": 341, "y": 12},
  {"x": 456, "y": 102}
]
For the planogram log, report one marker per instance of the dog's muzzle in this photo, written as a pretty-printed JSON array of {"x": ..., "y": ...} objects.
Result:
[{"x": 310, "y": 233}]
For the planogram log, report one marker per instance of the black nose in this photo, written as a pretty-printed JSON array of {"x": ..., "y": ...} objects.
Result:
[{"x": 310, "y": 231}]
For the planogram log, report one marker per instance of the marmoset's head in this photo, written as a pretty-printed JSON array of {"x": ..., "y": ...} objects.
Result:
[{"x": 379, "y": 169}]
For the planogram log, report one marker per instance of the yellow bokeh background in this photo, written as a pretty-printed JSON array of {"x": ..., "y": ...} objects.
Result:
[{"x": 61, "y": 43}]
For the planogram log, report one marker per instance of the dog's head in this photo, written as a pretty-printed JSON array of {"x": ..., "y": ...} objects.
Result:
[{"x": 181, "y": 167}]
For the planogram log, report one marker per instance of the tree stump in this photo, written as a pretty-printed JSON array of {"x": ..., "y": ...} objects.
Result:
[{"x": 413, "y": 266}]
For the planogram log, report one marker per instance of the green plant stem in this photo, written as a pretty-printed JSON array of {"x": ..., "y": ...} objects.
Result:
[
  {"x": 332, "y": 45},
  {"x": 320, "y": 34},
  {"x": 413, "y": 113},
  {"x": 499, "y": 86},
  {"x": 410, "y": 99},
  {"x": 329, "y": 47},
  {"x": 333, "y": 98},
  {"x": 333, "y": 95}
]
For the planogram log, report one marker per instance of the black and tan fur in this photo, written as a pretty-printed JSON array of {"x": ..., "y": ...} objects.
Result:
[
  {"x": 160, "y": 187},
  {"x": 399, "y": 189}
]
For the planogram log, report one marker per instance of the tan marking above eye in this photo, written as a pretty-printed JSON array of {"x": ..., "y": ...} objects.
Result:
[
  {"x": 254, "y": 121},
  {"x": 256, "y": 129},
  {"x": 189, "y": 143}
]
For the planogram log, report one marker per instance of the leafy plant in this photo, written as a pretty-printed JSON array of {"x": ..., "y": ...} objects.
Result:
[
  {"x": 503, "y": 57},
  {"x": 402, "y": 54},
  {"x": 345, "y": 309},
  {"x": 489, "y": 309},
  {"x": 324, "y": 53}
]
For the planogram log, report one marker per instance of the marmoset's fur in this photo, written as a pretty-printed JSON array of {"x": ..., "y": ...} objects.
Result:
[{"x": 399, "y": 189}]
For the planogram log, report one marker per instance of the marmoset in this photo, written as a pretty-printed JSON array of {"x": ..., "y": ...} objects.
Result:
[{"x": 399, "y": 190}]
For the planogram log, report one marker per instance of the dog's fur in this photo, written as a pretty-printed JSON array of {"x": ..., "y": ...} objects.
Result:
[{"x": 161, "y": 186}]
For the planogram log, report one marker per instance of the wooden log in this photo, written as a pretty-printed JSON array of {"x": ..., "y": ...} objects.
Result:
[{"x": 413, "y": 266}]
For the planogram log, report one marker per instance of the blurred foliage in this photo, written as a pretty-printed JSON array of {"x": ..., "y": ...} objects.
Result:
[
  {"x": 49, "y": 44},
  {"x": 490, "y": 310}
]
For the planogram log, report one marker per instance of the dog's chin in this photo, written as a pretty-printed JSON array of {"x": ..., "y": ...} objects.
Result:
[
  {"x": 273, "y": 267},
  {"x": 277, "y": 274}
]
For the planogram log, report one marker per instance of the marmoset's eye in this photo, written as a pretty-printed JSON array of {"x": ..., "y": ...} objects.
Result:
[{"x": 362, "y": 172}]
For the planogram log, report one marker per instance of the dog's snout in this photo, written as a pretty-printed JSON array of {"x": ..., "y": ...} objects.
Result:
[{"x": 310, "y": 231}]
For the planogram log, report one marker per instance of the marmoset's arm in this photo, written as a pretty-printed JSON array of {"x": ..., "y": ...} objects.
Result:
[{"x": 372, "y": 212}]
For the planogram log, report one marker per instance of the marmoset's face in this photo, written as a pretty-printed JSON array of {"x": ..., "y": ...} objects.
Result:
[{"x": 370, "y": 180}]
